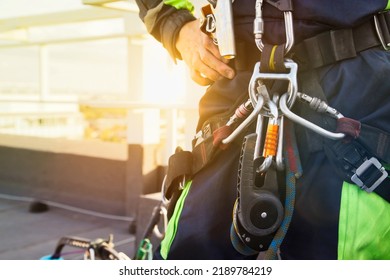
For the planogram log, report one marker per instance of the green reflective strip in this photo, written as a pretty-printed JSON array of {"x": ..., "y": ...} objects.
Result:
[
  {"x": 364, "y": 225},
  {"x": 180, "y": 4},
  {"x": 388, "y": 5},
  {"x": 171, "y": 230}
]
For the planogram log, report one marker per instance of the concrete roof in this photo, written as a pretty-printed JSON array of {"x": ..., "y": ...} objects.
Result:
[{"x": 30, "y": 236}]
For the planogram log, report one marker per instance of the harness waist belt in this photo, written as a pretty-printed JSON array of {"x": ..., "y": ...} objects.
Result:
[
  {"x": 328, "y": 47},
  {"x": 336, "y": 45}
]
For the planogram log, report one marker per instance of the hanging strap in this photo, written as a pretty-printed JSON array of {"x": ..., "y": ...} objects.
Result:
[
  {"x": 272, "y": 59},
  {"x": 282, "y": 5},
  {"x": 180, "y": 165}
]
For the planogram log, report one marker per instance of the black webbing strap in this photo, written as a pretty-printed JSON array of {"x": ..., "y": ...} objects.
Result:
[
  {"x": 282, "y": 5},
  {"x": 183, "y": 165},
  {"x": 336, "y": 45},
  {"x": 376, "y": 141},
  {"x": 179, "y": 165}
]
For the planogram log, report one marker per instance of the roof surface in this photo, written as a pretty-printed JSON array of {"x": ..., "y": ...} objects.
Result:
[{"x": 29, "y": 236}]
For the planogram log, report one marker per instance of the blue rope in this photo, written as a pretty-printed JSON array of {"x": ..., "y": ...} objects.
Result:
[{"x": 293, "y": 171}]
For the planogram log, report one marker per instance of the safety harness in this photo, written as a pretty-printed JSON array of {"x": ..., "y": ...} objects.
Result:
[{"x": 269, "y": 163}]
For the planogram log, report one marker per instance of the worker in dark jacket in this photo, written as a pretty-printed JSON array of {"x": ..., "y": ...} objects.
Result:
[{"x": 333, "y": 218}]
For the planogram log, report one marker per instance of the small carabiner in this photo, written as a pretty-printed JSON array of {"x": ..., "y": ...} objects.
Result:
[
  {"x": 270, "y": 143},
  {"x": 164, "y": 214}
]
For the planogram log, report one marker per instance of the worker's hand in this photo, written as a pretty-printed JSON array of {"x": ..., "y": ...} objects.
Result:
[{"x": 201, "y": 55}]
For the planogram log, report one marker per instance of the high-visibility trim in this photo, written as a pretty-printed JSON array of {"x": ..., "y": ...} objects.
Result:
[
  {"x": 388, "y": 5},
  {"x": 180, "y": 4},
  {"x": 171, "y": 230},
  {"x": 364, "y": 225}
]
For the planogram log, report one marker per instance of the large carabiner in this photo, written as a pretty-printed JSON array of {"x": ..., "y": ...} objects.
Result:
[
  {"x": 256, "y": 111},
  {"x": 294, "y": 117}
]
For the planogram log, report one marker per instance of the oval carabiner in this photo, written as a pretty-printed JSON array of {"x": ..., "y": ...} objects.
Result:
[
  {"x": 164, "y": 214},
  {"x": 258, "y": 27},
  {"x": 289, "y": 114}
]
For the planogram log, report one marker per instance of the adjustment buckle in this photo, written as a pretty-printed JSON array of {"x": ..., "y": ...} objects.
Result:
[
  {"x": 369, "y": 175},
  {"x": 383, "y": 29}
]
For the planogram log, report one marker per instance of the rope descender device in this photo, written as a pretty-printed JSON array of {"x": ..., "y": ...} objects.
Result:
[{"x": 259, "y": 209}]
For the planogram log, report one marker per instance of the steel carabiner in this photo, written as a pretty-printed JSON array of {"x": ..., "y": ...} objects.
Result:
[
  {"x": 256, "y": 111},
  {"x": 270, "y": 143},
  {"x": 258, "y": 26},
  {"x": 294, "y": 117}
]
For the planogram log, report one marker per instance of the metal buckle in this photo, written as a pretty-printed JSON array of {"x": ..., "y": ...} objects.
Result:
[
  {"x": 366, "y": 166},
  {"x": 379, "y": 31}
]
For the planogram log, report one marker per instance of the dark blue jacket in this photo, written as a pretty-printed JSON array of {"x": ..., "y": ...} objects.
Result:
[{"x": 164, "y": 19}]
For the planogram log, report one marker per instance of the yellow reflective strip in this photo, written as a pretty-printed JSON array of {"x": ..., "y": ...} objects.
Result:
[{"x": 271, "y": 63}]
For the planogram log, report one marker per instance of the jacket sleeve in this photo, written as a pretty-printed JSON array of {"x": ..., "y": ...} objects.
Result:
[{"x": 164, "y": 18}]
